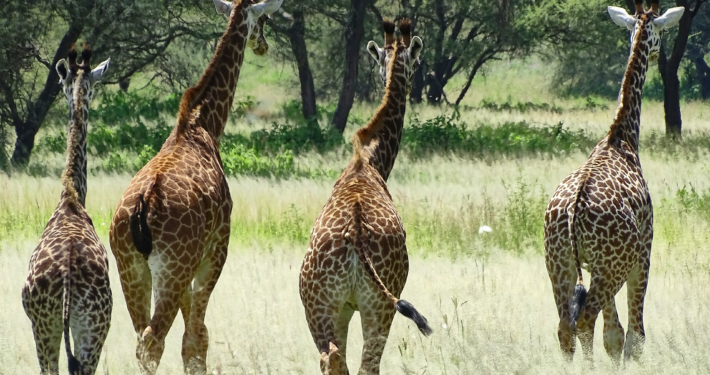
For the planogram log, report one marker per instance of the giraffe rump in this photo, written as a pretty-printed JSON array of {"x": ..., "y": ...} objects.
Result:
[{"x": 361, "y": 244}]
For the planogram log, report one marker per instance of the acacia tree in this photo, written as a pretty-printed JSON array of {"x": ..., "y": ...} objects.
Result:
[
  {"x": 135, "y": 34},
  {"x": 462, "y": 36},
  {"x": 290, "y": 22},
  {"x": 668, "y": 66}
]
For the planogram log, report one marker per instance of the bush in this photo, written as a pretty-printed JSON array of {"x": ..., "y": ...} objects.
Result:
[
  {"x": 239, "y": 160},
  {"x": 520, "y": 107},
  {"x": 447, "y": 134}
]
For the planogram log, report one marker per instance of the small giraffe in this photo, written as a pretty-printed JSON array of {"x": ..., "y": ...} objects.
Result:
[
  {"x": 601, "y": 215},
  {"x": 171, "y": 229},
  {"x": 68, "y": 283},
  {"x": 357, "y": 257}
]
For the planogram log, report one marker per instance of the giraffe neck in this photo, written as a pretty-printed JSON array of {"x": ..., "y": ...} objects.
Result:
[
  {"x": 207, "y": 104},
  {"x": 379, "y": 139},
  {"x": 74, "y": 176},
  {"x": 627, "y": 121}
]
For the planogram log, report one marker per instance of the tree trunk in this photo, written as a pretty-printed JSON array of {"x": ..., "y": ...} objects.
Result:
[
  {"x": 703, "y": 76},
  {"x": 37, "y": 110},
  {"x": 296, "y": 36},
  {"x": 418, "y": 82},
  {"x": 668, "y": 67},
  {"x": 671, "y": 96},
  {"x": 353, "y": 35},
  {"x": 437, "y": 79}
]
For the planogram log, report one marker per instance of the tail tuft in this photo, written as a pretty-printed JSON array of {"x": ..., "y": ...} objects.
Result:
[
  {"x": 74, "y": 366},
  {"x": 577, "y": 304},
  {"x": 142, "y": 237},
  {"x": 405, "y": 308}
]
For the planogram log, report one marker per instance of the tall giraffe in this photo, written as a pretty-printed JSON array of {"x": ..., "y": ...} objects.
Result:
[
  {"x": 68, "y": 283},
  {"x": 171, "y": 229},
  {"x": 357, "y": 257},
  {"x": 601, "y": 215}
]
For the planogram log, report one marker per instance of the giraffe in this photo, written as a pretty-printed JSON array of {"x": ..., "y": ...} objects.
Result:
[
  {"x": 170, "y": 231},
  {"x": 68, "y": 283},
  {"x": 601, "y": 215},
  {"x": 357, "y": 257}
]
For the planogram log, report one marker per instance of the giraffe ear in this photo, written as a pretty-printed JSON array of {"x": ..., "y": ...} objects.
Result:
[
  {"x": 99, "y": 71},
  {"x": 415, "y": 48},
  {"x": 266, "y": 7},
  {"x": 670, "y": 18},
  {"x": 62, "y": 69},
  {"x": 223, "y": 7},
  {"x": 621, "y": 17},
  {"x": 376, "y": 52}
]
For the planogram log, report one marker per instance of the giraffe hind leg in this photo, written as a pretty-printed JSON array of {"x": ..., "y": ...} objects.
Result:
[
  {"x": 376, "y": 321},
  {"x": 636, "y": 291},
  {"x": 48, "y": 330},
  {"x": 613, "y": 332},
  {"x": 195, "y": 341}
]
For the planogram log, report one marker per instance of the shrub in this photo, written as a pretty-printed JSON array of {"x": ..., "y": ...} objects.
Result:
[
  {"x": 240, "y": 160},
  {"x": 448, "y": 134}
]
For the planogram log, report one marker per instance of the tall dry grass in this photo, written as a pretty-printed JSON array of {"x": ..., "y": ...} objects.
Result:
[{"x": 494, "y": 316}]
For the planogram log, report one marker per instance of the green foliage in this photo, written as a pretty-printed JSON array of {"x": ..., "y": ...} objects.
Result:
[
  {"x": 692, "y": 201},
  {"x": 448, "y": 134},
  {"x": 689, "y": 88},
  {"x": 305, "y": 136},
  {"x": 524, "y": 217},
  {"x": 520, "y": 107},
  {"x": 239, "y": 160},
  {"x": 119, "y": 107}
]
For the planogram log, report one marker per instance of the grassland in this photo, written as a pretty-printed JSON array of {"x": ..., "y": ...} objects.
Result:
[{"x": 487, "y": 295}]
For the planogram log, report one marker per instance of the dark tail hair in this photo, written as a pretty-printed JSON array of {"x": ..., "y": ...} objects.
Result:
[
  {"x": 142, "y": 237},
  {"x": 361, "y": 246},
  {"x": 74, "y": 364},
  {"x": 580, "y": 293}
]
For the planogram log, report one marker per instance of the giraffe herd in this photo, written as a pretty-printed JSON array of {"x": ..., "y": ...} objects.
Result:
[{"x": 170, "y": 231}]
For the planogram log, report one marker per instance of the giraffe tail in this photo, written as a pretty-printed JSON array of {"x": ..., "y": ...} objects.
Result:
[
  {"x": 361, "y": 246},
  {"x": 74, "y": 364},
  {"x": 142, "y": 236},
  {"x": 579, "y": 296}
]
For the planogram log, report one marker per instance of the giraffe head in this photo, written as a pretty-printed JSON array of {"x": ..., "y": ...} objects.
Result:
[
  {"x": 649, "y": 23},
  {"x": 408, "y": 55},
  {"x": 78, "y": 78},
  {"x": 256, "y": 16}
]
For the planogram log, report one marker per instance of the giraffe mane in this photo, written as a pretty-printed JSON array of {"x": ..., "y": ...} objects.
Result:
[
  {"x": 73, "y": 139},
  {"x": 364, "y": 135},
  {"x": 622, "y": 109},
  {"x": 193, "y": 95}
]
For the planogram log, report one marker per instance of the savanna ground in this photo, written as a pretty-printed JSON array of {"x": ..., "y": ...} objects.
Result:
[{"x": 487, "y": 295}]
